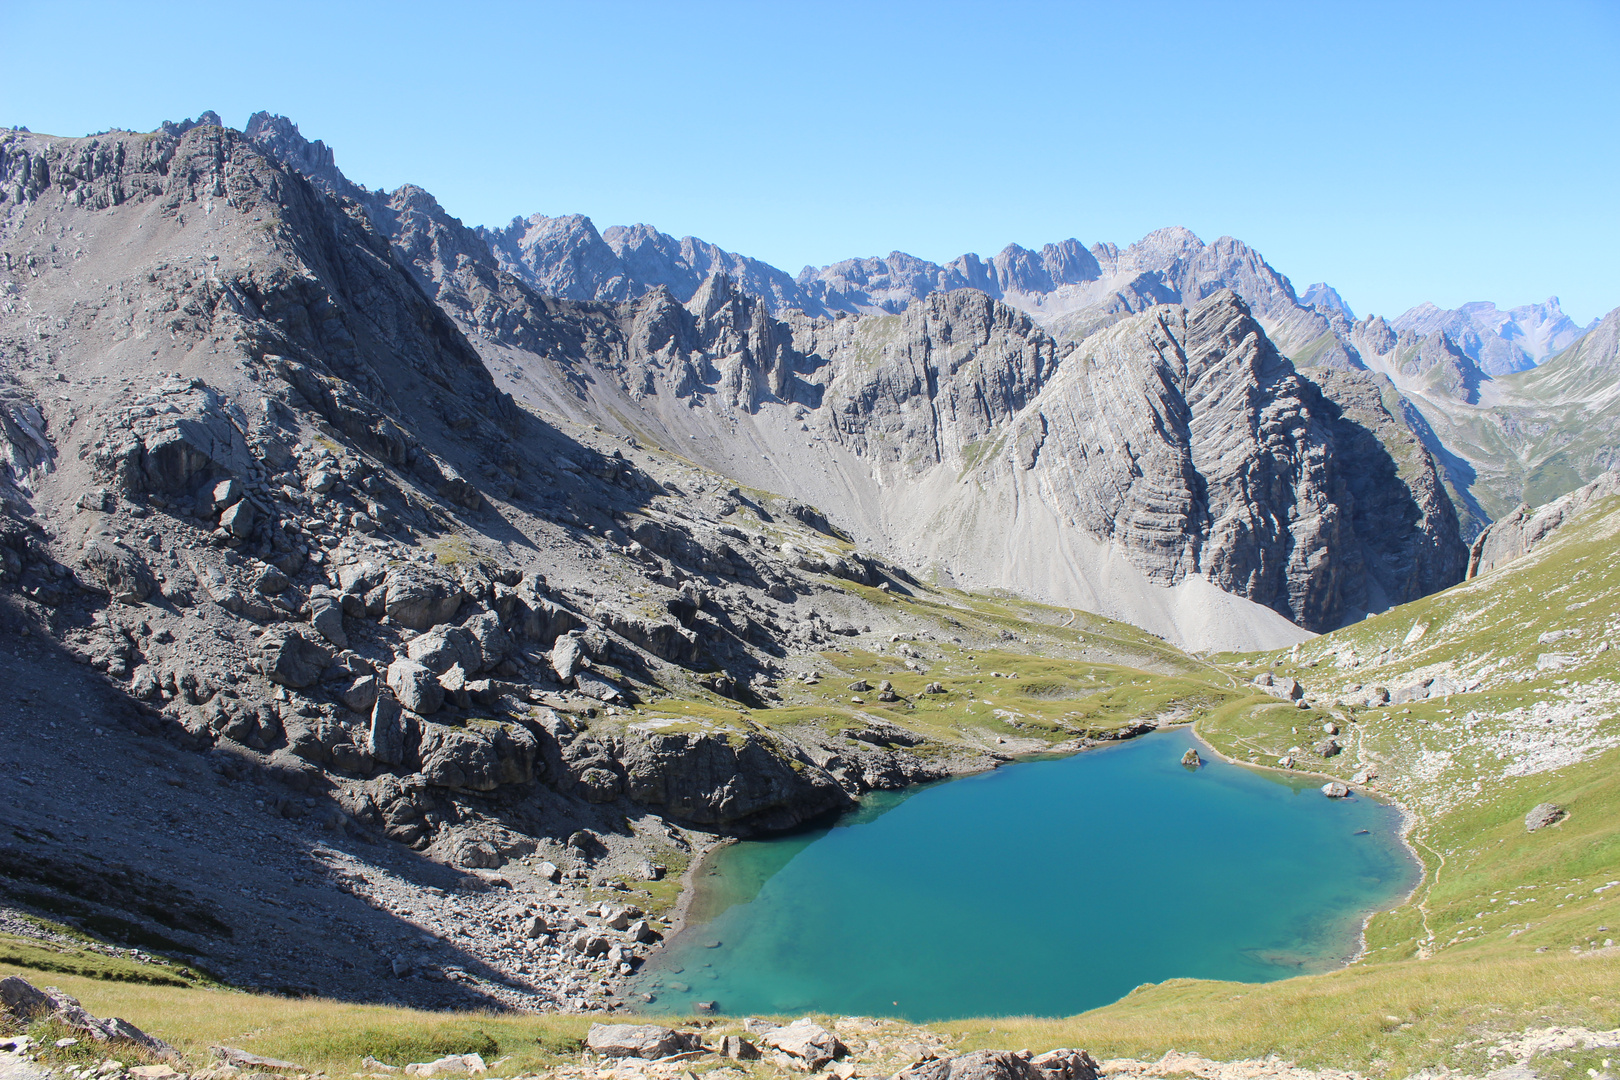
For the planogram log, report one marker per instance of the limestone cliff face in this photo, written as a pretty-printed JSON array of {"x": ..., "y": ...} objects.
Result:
[{"x": 1179, "y": 440}]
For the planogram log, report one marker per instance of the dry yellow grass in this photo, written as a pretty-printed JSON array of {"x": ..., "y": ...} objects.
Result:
[
  {"x": 1384, "y": 1019},
  {"x": 318, "y": 1034}
]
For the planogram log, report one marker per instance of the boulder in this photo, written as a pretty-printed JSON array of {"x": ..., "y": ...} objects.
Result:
[
  {"x": 449, "y": 1065},
  {"x": 326, "y": 616},
  {"x": 218, "y": 496},
  {"x": 567, "y": 657},
  {"x": 593, "y": 685},
  {"x": 358, "y": 578},
  {"x": 1191, "y": 759},
  {"x": 391, "y": 735},
  {"x": 1542, "y": 815},
  {"x": 443, "y": 647},
  {"x": 807, "y": 1040},
  {"x": 647, "y": 1041},
  {"x": 238, "y": 520},
  {"x": 98, "y": 499},
  {"x": 544, "y": 621},
  {"x": 272, "y": 582},
  {"x": 118, "y": 571},
  {"x": 1066, "y": 1064},
  {"x": 244, "y": 1060},
  {"x": 1286, "y": 689},
  {"x": 416, "y": 687},
  {"x": 291, "y": 659},
  {"x": 478, "y": 855},
  {"x": 22, "y": 999},
  {"x": 667, "y": 640},
  {"x": 479, "y": 758},
  {"x": 493, "y": 643},
  {"x": 1327, "y": 748},
  {"x": 417, "y": 600},
  {"x": 361, "y": 694},
  {"x": 978, "y": 1065},
  {"x": 737, "y": 1048},
  {"x": 1335, "y": 790}
]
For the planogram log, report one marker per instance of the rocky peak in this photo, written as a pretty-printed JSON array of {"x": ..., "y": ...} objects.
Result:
[
  {"x": 175, "y": 129},
  {"x": 1159, "y": 250},
  {"x": 1374, "y": 334},
  {"x": 1500, "y": 342},
  {"x": 281, "y": 139},
  {"x": 560, "y": 256},
  {"x": 1326, "y": 298}
]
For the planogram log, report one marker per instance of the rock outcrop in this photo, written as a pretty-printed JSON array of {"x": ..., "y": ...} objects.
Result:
[{"x": 1518, "y": 533}]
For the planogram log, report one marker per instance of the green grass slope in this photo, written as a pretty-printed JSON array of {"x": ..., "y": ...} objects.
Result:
[{"x": 1508, "y": 930}]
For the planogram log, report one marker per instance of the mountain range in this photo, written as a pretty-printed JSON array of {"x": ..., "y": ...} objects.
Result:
[{"x": 556, "y": 552}]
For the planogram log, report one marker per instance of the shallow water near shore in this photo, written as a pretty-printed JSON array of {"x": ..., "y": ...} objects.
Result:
[{"x": 1043, "y": 888}]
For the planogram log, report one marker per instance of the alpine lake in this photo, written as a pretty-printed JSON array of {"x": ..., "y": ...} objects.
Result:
[{"x": 1045, "y": 888}]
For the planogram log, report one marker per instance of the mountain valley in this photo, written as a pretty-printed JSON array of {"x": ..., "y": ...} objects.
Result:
[{"x": 398, "y": 612}]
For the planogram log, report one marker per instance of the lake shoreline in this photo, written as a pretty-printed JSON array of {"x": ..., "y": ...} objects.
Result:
[
  {"x": 1408, "y": 823},
  {"x": 1345, "y": 946},
  {"x": 714, "y": 842}
]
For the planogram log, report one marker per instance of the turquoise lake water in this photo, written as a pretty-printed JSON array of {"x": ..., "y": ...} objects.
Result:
[{"x": 1043, "y": 888}]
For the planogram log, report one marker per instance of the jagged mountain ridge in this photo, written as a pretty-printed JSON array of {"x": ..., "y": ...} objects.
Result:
[
  {"x": 1499, "y": 342},
  {"x": 1524, "y": 437},
  {"x": 1437, "y": 359},
  {"x": 872, "y": 429}
]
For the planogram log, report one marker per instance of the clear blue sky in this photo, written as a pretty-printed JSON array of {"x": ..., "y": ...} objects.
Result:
[{"x": 1401, "y": 151}]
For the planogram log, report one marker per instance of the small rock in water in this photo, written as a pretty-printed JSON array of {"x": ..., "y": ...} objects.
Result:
[
  {"x": 1191, "y": 759},
  {"x": 1335, "y": 790}
]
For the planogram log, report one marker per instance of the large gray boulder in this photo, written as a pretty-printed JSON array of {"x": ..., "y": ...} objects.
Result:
[
  {"x": 287, "y": 657},
  {"x": 481, "y": 757},
  {"x": 1542, "y": 815},
  {"x": 417, "y": 600},
  {"x": 807, "y": 1040},
  {"x": 567, "y": 657},
  {"x": 443, "y": 647},
  {"x": 977, "y": 1065},
  {"x": 705, "y": 779},
  {"x": 392, "y": 735},
  {"x": 23, "y": 1000},
  {"x": 238, "y": 520},
  {"x": 1066, "y": 1064},
  {"x": 660, "y": 637},
  {"x": 416, "y": 687},
  {"x": 118, "y": 570},
  {"x": 542, "y": 620},
  {"x": 326, "y": 616},
  {"x": 648, "y": 1041},
  {"x": 494, "y": 644},
  {"x": 216, "y": 495}
]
